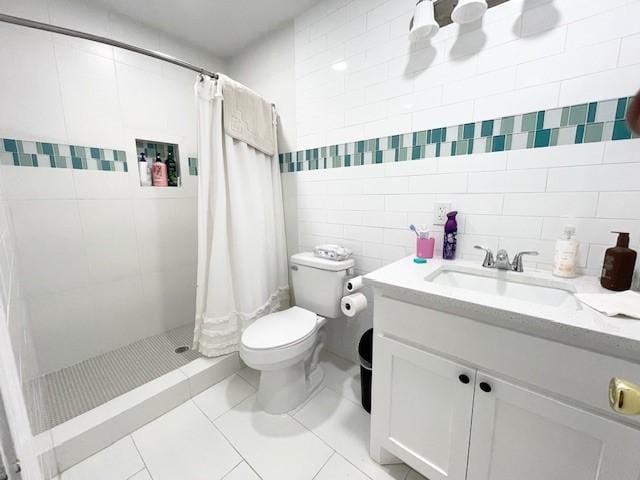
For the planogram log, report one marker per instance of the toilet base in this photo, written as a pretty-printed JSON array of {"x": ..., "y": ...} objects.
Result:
[
  {"x": 286, "y": 383},
  {"x": 282, "y": 390}
]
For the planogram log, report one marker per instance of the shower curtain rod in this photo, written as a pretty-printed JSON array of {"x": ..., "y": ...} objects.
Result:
[{"x": 24, "y": 22}]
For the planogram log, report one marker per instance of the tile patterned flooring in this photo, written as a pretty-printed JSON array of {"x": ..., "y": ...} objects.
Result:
[{"x": 223, "y": 434}]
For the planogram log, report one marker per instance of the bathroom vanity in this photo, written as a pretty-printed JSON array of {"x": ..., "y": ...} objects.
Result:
[{"x": 484, "y": 374}]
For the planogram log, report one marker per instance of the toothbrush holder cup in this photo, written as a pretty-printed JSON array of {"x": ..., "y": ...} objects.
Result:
[{"x": 425, "y": 247}]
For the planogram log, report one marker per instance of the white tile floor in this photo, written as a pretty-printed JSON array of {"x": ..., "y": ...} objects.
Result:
[{"x": 223, "y": 434}]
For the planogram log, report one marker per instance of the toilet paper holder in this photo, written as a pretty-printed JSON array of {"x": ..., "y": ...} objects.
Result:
[{"x": 353, "y": 304}]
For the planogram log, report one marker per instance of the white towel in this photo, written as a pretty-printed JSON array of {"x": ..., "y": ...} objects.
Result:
[
  {"x": 248, "y": 117},
  {"x": 612, "y": 304}
]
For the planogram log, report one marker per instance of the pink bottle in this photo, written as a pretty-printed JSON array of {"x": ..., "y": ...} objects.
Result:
[
  {"x": 159, "y": 173},
  {"x": 425, "y": 245}
]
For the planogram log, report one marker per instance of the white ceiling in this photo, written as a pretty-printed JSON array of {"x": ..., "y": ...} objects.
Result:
[{"x": 223, "y": 27}]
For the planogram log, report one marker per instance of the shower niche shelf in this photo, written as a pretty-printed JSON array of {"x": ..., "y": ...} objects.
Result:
[{"x": 154, "y": 150}]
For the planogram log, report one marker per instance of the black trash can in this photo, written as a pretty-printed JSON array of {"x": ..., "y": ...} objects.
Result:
[{"x": 365, "y": 350}]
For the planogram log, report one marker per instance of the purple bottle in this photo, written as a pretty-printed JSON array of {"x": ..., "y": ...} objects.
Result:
[{"x": 450, "y": 234}]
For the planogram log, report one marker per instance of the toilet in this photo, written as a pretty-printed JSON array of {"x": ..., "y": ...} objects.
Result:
[{"x": 284, "y": 346}]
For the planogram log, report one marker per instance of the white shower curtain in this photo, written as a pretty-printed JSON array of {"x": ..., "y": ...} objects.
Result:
[{"x": 242, "y": 259}]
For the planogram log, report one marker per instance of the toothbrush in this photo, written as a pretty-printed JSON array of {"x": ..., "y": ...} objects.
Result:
[{"x": 412, "y": 227}]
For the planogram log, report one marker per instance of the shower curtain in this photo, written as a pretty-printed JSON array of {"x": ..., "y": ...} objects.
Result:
[{"x": 242, "y": 256}]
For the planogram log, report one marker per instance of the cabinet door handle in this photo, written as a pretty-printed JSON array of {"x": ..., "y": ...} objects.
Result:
[
  {"x": 485, "y": 387},
  {"x": 464, "y": 378},
  {"x": 624, "y": 397}
]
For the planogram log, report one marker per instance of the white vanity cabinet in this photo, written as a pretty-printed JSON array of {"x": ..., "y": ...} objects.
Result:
[
  {"x": 424, "y": 410},
  {"x": 459, "y": 399},
  {"x": 521, "y": 434}
]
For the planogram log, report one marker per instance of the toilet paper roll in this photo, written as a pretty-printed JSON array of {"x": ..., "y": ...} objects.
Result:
[
  {"x": 352, "y": 304},
  {"x": 354, "y": 284}
]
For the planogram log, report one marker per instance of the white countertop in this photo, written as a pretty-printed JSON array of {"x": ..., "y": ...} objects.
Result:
[{"x": 584, "y": 327}]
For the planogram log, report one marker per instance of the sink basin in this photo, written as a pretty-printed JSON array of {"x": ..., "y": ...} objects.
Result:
[{"x": 512, "y": 285}]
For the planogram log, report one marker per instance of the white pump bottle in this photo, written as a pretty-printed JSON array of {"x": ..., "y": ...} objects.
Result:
[{"x": 566, "y": 254}]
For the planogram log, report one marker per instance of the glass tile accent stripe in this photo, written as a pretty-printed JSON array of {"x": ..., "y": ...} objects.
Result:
[
  {"x": 193, "y": 166},
  {"x": 23, "y": 153},
  {"x": 584, "y": 123}
]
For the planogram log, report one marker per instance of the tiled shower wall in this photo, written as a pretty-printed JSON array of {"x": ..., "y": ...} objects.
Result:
[
  {"x": 102, "y": 261},
  {"x": 525, "y": 56},
  {"x": 17, "y": 353}
]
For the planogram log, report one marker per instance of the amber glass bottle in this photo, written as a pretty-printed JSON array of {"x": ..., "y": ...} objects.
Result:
[{"x": 619, "y": 264}]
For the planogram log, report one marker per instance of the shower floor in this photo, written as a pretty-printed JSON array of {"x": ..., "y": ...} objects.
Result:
[{"x": 79, "y": 388}]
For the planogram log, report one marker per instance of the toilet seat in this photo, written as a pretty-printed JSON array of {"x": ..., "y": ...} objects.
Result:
[
  {"x": 280, "y": 329},
  {"x": 280, "y": 338}
]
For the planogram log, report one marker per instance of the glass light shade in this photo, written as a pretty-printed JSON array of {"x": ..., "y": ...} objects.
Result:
[
  {"x": 468, "y": 11},
  {"x": 424, "y": 23}
]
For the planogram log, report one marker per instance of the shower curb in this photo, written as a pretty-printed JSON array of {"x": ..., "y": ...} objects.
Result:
[{"x": 79, "y": 438}]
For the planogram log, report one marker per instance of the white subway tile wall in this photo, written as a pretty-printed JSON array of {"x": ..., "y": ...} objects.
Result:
[
  {"x": 525, "y": 57},
  {"x": 521, "y": 59},
  {"x": 500, "y": 204}
]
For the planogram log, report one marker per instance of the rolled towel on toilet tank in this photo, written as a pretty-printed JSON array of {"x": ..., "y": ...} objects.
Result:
[
  {"x": 353, "y": 284},
  {"x": 353, "y": 304}
]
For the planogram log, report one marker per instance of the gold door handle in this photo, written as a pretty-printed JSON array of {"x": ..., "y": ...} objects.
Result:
[{"x": 624, "y": 397}]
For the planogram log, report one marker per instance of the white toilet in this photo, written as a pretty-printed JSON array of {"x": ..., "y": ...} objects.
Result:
[{"x": 284, "y": 346}]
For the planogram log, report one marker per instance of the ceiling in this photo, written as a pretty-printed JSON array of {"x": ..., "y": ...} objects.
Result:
[{"x": 223, "y": 27}]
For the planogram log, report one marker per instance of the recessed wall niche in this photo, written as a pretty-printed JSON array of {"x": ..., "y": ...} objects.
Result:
[{"x": 158, "y": 164}]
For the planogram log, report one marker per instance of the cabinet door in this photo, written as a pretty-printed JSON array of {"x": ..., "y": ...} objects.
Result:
[
  {"x": 421, "y": 409},
  {"x": 519, "y": 434}
]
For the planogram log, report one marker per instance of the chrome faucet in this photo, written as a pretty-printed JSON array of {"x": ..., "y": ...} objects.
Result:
[{"x": 501, "y": 261}]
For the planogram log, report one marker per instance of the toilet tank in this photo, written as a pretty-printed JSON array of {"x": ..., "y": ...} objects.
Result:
[{"x": 318, "y": 283}]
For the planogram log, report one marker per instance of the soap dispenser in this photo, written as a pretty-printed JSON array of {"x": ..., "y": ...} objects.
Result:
[
  {"x": 619, "y": 264},
  {"x": 566, "y": 254}
]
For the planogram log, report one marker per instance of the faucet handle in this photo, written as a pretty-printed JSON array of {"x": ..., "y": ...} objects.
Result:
[
  {"x": 488, "y": 258},
  {"x": 517, "y": 260}
]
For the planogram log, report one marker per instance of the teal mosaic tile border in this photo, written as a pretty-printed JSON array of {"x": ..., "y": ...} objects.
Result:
[
  {"x": 193, "y": 166},
  {"x": 23, "y": 153},
  {"x": 585, "y": 123}
]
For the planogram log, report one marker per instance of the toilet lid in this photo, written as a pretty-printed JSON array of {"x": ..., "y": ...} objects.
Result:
[{"x": 280, "y": 329}]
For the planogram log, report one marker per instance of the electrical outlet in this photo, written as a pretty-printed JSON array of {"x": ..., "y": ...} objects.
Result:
[{"x": 440, "y": 210}]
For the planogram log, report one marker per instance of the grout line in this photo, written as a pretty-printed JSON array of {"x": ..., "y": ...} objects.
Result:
[
  {"x": 140, "y": 455},
  {"x": 313, "y": 433},
  {"x": 546, "y": 180},
  {"x": 324, "y": 465},
  {"x": 354, "y": 466},
  {"x": 139, "y": 471},
  {"x": 225, "y": 437},
  {"x": 232, "y": 446},
  {"x": 212, "y": 420},
  {"x": 236, "y": 465}
]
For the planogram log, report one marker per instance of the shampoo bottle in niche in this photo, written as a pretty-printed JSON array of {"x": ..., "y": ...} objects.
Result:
[
  {"x": 143, "y": 167},
  {"x": 450, "y": 236},
  {"x": 619, "y": 264},
  {"x": 159, "y": 173},
  {"x": 566, "y": 255},
  {"x": 172, "y": 169}
]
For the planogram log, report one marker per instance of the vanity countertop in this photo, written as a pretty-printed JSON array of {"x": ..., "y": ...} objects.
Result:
[{"x": 584, "y": 327}]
